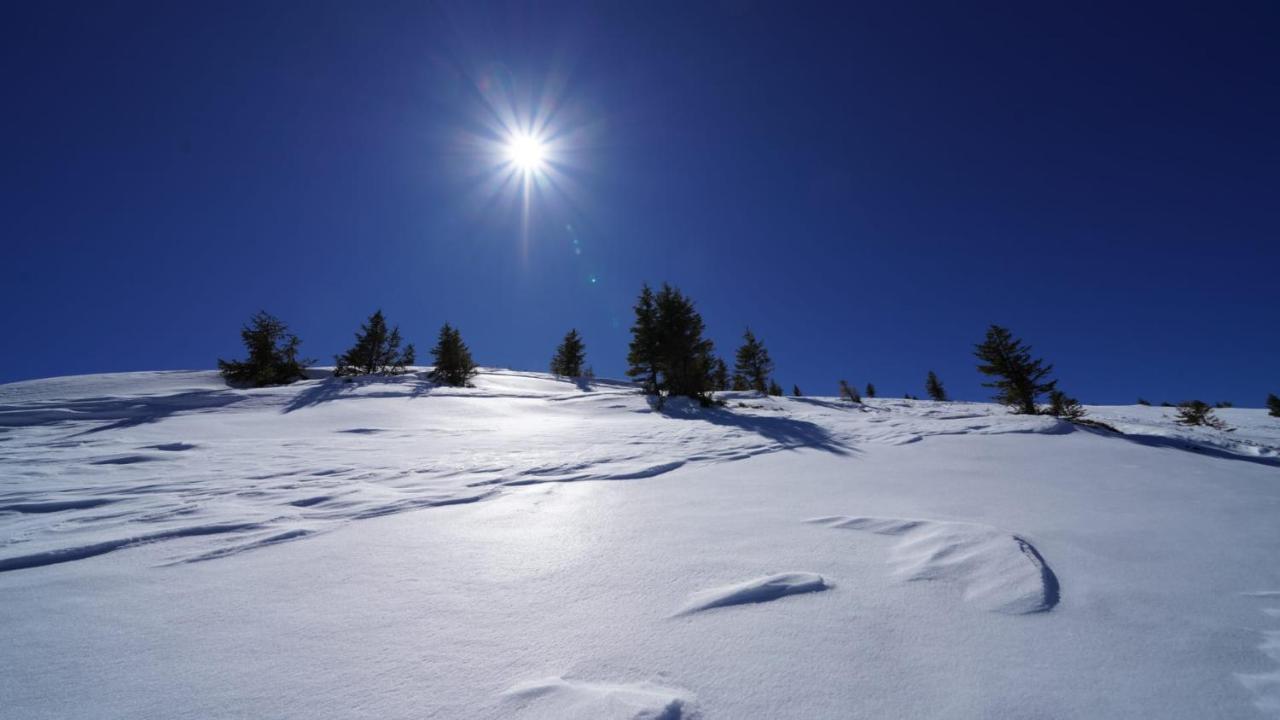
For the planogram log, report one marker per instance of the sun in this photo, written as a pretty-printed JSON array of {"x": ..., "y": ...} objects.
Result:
[{"x": 526, "y": 152}]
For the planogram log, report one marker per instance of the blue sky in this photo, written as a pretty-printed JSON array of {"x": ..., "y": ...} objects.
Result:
[{"x": 866, "y": 186}]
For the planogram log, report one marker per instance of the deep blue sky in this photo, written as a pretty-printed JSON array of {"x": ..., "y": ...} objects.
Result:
[{"x": 868, "y": 187}]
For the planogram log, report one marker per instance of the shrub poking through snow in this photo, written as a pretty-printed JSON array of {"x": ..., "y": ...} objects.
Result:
[
  {"x": 848, "y": 392},
  {"x": 753, "y": 363},
  {"x": 1067, "y": 408},
  {"x": 1142, "y": 401},
  {"x": 377, "y": 350},
  {"x": 668, "y": 353},
  {"x": 1273, "y": 405},
  {"x": 795, "y": 391},
  {"x": 1020, "y": 379},
  {"x": 1198, "y": 412},
  {"x": 453, "y": 364},
  {"x": 871, "y": 390},
  {"x": 775, "y": 389},
  {"x": 273, "y": 354},
  {"x": 933, "y": 386},
  {"x": 567, "y": 362}
]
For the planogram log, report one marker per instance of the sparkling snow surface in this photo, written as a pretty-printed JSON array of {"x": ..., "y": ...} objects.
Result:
[{"x": 386, "y": 548}]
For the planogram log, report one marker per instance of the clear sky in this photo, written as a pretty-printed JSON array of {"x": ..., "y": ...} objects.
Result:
[{"x": 868, "y": 186}]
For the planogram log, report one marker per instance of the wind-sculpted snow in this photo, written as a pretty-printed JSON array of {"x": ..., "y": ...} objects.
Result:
[
  {"x": 561, "y": 699},
  {"x": 97, "y": 463},
  {"x": 757, "y": 590},
  {"x": 998, "y": 571}
]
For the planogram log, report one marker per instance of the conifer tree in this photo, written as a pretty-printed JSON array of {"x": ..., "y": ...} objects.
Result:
[
  {"x": 1273, "y": 405},
  {"x": 795, "y": 391},
  {"x": 567, "y": 362},
  {"x": 753, "y": 363},
  {"x": 933, "y": 388},
  {"x": 1197, "y": 412},
  {"x": 720, "y": 375},
  {"x": 775, "y": 389},
  {"x": 1067, "y": 408},
  {"x": 642, "y": 356},
  {"x": 377, "y": 350},
  {"x": 740, "y": 383},
  {"x": 1224, "y": 404},
  {"x": 1141, "y": 401},
  {"x": 453, "y": 364},
  {"x": 871, "y": 390},
  {"x": 847, "y": 392},
  {"x": 1020, "y": 379},
  {"x": 668, "y": 353},
  {"x": 273, "y": 354}
]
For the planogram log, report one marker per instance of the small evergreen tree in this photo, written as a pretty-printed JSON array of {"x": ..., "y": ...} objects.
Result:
[
  {"x": 1067, "y": 408},
  {"x": 753, "y": 363},
  {"x": 1273, "y": 405},
  {"x": 1197, "y": 412},
  {"x": 668, "y": 353},
  {"x": 642, "y": 356},
  {"x": 567, "y": 362},
  {"x": 453, "y": 364},
  {"x": 1166, "y": 403},
  {"x": 1224, "y": 404},
  {"x": 377, "y": 350},
  {"x": 273, "y": 354},
  {"x": 1141, "y": 401},
  {"x": 720, "y": 375},
  {"x": 795, "y": 391},
  {"x": 847, "y": 392},
  {"x": 1021, "y": 379},
  {"x": 933, "y": 387},
  {"x": 775, "y": 389},
  {"x": 871, "y": 390}
]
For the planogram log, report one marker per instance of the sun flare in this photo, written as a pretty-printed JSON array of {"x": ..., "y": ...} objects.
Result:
[{"x": 526, "y": 152}]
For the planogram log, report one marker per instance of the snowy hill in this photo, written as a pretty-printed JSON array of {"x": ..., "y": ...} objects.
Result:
[{"x": 387, "y": 548}]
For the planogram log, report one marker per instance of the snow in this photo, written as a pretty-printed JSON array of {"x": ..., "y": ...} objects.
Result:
[{"x": 534, "y": 547}]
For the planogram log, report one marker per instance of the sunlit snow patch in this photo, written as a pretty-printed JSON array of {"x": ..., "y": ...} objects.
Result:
[{"x": 999, "y": 572}]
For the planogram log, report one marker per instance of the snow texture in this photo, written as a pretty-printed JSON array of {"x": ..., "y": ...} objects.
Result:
[{"x": 758, "y": 590}]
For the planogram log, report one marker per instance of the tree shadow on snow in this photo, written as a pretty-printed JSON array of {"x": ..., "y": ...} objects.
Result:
[
  {"x": 411, "y": 385},
  {"x": 1160, "y": 441},
  {"x": 788, "y": 433}
]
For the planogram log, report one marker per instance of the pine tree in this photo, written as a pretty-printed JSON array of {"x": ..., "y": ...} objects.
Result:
[
  {"x": 569, "y": 356},
  {"x": 376, "y": 350},
  {"x": 740, "y": 383},
  {"x": 775, "y": 389},
  {"x": 685, "y": 359},
  {"x": 1067, "y": 408},
  {"x": 1021, "y": 379},
  {"x": 871, "y": 390},
  {"x": 720, "y": 375},
  {"x": 1144, "y": 402},
  {"x": 1273, "y": 405},
  {"x": 933, "y": 388},
  {"x": 642, "y": 357},
  {"x": 795, "y": 391},
  {"x": 453, "y": 364},
  {"x": 753, "y": 363},
  {"x": 273, "y": 354},
  {"x": 1197, "y": 412},
  {"x": 668, "y": 353},
  {"x": 847, "y": 392},
  {"x": 1224, "y": 404}
]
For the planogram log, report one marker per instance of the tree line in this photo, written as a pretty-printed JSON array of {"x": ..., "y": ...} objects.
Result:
[{"x": 668, "y": 356}]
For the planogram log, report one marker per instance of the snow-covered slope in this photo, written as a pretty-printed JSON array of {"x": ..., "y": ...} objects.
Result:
[{"x": 386, "y": 548}]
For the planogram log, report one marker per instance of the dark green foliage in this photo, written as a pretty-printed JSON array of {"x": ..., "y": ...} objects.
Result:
[
  {"x": 847, "y": 392},
  {"x": 453, "y": 364},
  {"x": 753, "y": 363},
  {"x": 642, "y": 356},
  {"x": 376, "y": 350},
  {"x": 775, "y": 389},
  {"x": 933, "y": 386},
  {"x": 1197, "y": 412},
  {"x": 795, "y": 391},
  {"x": 1020, "y": 378},
  {"x": 871, "y": 390},
  {"x": 273, "y": 354},
  {"x": 1141, "y": 401},
  {"x": 668, "y": 352},
  {"x": 1273, "y": 405},
  {"x": 1067, "y": 408},
  {"x": 740, "y": 383},
  {"x": 720, "y": 375},
  {"x": 569, "y": 356},
  {"x": 1224, "y": 404}
]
